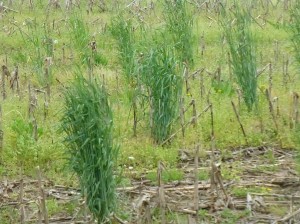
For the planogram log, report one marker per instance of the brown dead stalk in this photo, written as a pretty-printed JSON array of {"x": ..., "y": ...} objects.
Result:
[
  {"x": 196, "y": 191},
  {"x": 239, "y": 121},
  {"x": 186, "y": 124},
  {"x": 14, "y": 80},
  {"x": 295, "y": 114},
  {"x": 21, "y": 196},
  {"x": 42, "y": 197},
  {"x": 5, "y": 75},
  {"x": 161, "y": 193}
]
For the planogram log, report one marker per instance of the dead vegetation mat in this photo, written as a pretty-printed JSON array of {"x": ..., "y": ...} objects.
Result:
[{"x": 260, "y": 182}]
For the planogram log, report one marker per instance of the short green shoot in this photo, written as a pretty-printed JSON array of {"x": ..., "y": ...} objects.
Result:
[{"x": 168, "y": 175}]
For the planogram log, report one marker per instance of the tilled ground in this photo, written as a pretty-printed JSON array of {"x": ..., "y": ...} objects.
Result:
[{"x": 249, "y": 185}]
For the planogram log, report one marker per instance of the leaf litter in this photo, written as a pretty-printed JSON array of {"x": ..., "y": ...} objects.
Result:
[{"x": 267, "y": 187}]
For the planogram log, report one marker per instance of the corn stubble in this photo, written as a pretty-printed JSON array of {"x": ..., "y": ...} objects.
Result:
[{"x": 88, "y": 124}]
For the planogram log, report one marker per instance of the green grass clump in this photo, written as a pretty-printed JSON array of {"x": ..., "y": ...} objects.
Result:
[
  {"x": 24, "y": 151},
  {"x": 243, "y": 191},
  {"x": 122, "y": 31},
  {"x": 179, "y": 23},
  {"x": 39, "y": 39},
  {"x": 203, "y": 175},
  {"x": 236, "y": 25},
  {"x": 88, "y": 124},
  {"x": 295, "y": 29},
  {"x": 167, "y": 175},
  {"x": 165, "y": 84},
  {"x": 83, "y": 42},
  {"x": 8, "y": 215},
  {"x": 228, "y": 216}
]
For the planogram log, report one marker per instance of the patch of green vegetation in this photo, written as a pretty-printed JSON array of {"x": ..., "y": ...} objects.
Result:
[
  {"x": 8, "y": 215},
  {"x": 163, "y": 79},
  {"x": 278, "y": 210},
  {"x": 124, "y": 182},
  {"x": 267, "y": 168},
  {"x": 243, "y": 191},
  {"x": 189, "y": 33},
  {"x": 297, "y": 160},
  {"x": 179, "y": 22},
  {"x": 88, "y": 124},
  {"x": 269, "y": 156},
  {"x": 296, "y": 136},
  {"x": 229, "y": 216},
  {"x": 148, "y": 157},
  {"x": 204, "y": 215},
  {"x": 70, "y": 207},
  {"x": 231, "y": 172},
  {"x": 239, "y": 37},
  {"x": 203, "y": 175},
  {"x": 295, "y": 29},
  {"x": 168, "y": 175},
  {"x": 53, "y": 207}
]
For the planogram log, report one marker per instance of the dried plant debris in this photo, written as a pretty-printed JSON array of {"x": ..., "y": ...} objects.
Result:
[{"x": 257, "y": 195}]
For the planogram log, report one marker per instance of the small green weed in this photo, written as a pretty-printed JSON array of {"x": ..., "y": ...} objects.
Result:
[
  {"x": 269, "y": 155},
  {"x": 242, "y": 191},
  {"x": 231, "y": 173},
  {"x": 167, "y": 175},
  {"x": 269, "y": 167},
  {"x": 26, "y": 151},
  {"x": 228, "y": 216},
  {"x": 278, "y": 210},
  {"x": 204, "y": 215},
  {"x": 8, "y": 215},
  {"x": 203, "y": 174},
  {"x": 53, "y": 207}
]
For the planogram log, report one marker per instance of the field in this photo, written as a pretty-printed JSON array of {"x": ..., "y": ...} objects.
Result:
[{"x": 168, "y": 111}]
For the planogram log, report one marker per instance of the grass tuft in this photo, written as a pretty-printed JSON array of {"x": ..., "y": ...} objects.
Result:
[
  {"x": 88, "y": 124},
  {"x": 160, "y": 74},
  {"x": 180, "y": 26},
  {"x": 295, "y": 30},
  {"x": 236, "y": 25}
]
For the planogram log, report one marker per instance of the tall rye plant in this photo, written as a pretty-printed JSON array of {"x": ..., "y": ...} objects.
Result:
[
  {"x": 122, "y": 31},
  {"x": 80, "y": 37},
  {"x": 179, "y": 24},
  {"x": 295, "y": 30},
  {"x": 236, "y": 25},
  {"x": 160, "y": 74},
  {"x": 88, "y": 124},
  {"x": 39, "y": 40},
  {"x": 81, "y": 40},
  {"x": 157, "y": 68}
]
